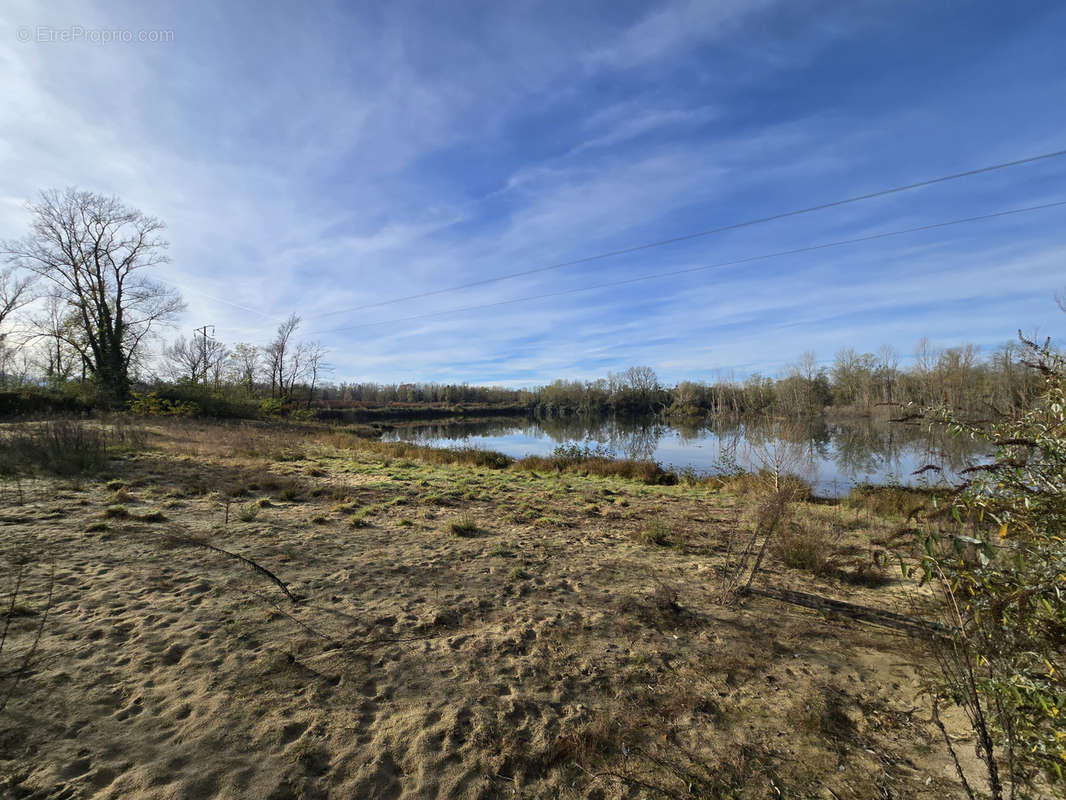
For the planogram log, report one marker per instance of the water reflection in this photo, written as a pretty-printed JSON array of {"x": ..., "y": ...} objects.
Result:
[{"x": 834, "y": 455}]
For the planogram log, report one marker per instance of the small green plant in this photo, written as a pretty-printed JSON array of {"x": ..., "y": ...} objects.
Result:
[
  {"x": 519, "y": 574},
  {"x": 655, "y": 532},
  {"x": 361, "y": 518},
  {"x": 464, "y": 525},
  {"x": 116, "y": 512},
  {"x": 152, "y": 516},
  {"x": 248, "y": 513}
]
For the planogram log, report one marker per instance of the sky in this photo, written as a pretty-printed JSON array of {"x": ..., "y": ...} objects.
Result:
[{"x": 333, "y": 160}]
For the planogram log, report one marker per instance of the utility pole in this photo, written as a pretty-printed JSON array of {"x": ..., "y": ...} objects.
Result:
[{"x": 203, "y": 347}]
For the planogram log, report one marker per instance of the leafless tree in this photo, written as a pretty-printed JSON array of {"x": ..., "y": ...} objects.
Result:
[
  {"x": 183, "y": 359},
  {"x": 244, "y": 365},
  {"x": 95, "y": 251},
  {"x": 63, "y": 350},
  {"x": 283, "y": 358},
  {"x": 15, "y": 292},
  {"x": 199, "y": 360},
  {"x": 316, "y": 367}
]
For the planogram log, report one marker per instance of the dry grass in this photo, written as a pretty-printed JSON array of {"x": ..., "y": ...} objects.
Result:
[{"x": 570, "y": 654}]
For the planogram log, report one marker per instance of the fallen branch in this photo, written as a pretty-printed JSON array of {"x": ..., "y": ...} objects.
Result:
[{"x": 192, "y": 541}]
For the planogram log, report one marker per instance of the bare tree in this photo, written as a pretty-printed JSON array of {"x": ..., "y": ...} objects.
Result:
[
  {"x": 94, "y": 250},
  {"x": 283, "y": 358},
  {"x": 15, "y": 292},
  {"x": 196, "y": 360},
  {"x": 63, "y": 349},
  {"x": 316, "y": 366},
  {"x": 244, "y": 365}
]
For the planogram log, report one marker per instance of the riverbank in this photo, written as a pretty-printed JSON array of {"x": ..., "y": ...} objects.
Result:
[{"x": 464, "y": 626}]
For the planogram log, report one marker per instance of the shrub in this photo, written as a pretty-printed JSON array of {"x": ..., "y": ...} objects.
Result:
[
  {"x": 249, "y": 512},
  {"x": 57, "y": 447},
  {"x": 804, "y": 548},
  {"x": 655, "y": 532},
  {"x": 1000, "y": 574},
  {"x": 150, "y": 404}
]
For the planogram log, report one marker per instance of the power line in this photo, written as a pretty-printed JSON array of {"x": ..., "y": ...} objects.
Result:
[
  {"x": 688, "y": 270},
  {"x": 699, "y": 234}
]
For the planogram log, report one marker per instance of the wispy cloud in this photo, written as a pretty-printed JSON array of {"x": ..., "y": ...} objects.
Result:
[{"x": 312, "y": 165}]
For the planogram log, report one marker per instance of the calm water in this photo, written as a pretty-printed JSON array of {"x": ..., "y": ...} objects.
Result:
[{"x": 834, "y": 456}]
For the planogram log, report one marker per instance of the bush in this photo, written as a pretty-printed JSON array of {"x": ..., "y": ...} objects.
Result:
[
  {"x": 655, "y": 532},
  {"x": 248, "y": 513},
  {"x": 24, "y": 403},
  {"x": 57, "y": 447},
  {"x": 804, "y": 548},
  {"x": 1001, "y": 574},
  {"x": 151, "y": 404}
]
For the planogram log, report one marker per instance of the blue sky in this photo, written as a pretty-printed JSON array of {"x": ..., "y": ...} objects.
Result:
[{"x": 322, "y": 157}]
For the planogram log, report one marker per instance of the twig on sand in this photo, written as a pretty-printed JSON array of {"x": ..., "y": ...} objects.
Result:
[{"x": 193, "y": 541}]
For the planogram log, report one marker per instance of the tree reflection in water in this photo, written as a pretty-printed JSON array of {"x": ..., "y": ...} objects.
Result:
[{"x": 834, "y": 454}]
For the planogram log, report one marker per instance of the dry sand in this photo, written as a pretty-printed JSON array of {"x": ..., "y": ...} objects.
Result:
[{"x": 552, "y": 653}]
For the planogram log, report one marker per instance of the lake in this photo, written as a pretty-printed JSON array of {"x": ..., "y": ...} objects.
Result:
[{"x": 833, "y": 455}]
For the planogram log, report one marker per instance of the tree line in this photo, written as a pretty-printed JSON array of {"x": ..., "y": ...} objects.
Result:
[{"x": 79, "y": 284}]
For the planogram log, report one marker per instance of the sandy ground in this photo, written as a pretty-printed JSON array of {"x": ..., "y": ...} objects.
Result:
[{"x": 551, "y": 651}]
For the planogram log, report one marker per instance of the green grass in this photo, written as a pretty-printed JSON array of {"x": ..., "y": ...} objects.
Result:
[{"x": 464, "y": 526}]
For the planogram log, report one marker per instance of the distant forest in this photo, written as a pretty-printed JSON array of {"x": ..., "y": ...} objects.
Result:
[
  {"x": 855, "y": 383},
  {"x": 286, "y": 378}
]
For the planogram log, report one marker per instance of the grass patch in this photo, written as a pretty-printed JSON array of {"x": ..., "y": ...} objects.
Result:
[
  {"x": 464, "y": 526},
  {"x": 804, "y": 548},
  {"x": 656, "y": 532},
  {"x": 248, "y": 513},
  {"x": 648, "y": 472},
  {"x": 891, "y": 501},
  {"x": 61, "y": 447}
]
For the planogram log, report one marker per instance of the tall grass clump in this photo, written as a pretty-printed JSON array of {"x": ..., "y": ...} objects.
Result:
[
  {"x": 805, "y": 548},
  {"x": 891, "y": 501},
  {"x": 59, "y": 447},
  {"x": 469, "y": 456},
  {"x": 586, "y": 460},
  {"x": 464, "y": 526}
]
